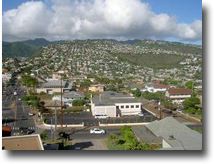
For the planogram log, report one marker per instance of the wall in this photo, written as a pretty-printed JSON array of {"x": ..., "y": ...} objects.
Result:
[
  {"x": 129, "y": 111},
  {"x": 106, "y": 110}
]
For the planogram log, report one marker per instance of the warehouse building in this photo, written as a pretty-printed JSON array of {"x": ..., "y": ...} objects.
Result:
[
  {"x": 54, "y": 86},
  {"x": 115, "y": 104}
]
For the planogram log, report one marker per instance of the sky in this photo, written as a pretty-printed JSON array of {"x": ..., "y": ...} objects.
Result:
[{"x": 177, "y": 20}]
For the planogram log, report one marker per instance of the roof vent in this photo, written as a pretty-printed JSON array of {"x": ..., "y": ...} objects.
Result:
[{"x": 171, "y": 137}]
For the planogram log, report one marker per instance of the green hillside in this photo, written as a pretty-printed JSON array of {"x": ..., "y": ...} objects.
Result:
[
  {"x": 23, "y": 48},
  {"x": 152, "y": 60},
  {"x": 171, "y": 46}
]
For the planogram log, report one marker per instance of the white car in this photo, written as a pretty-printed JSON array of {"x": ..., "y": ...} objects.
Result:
[
  {"x": 97, "y": 131},
  {"x": 179, "y": 110},
  {"x": 140, "y": 114},
  {"x": 31, "y": 114}
]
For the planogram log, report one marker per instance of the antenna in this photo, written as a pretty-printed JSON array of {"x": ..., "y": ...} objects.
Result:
[{"x": 100, "y": 98}]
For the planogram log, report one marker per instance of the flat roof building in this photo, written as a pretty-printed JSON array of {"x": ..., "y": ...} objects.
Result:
[
  {"x": 26, "y": 142},
  {"x": 178, "y": 95},
  {"x": 115, "y": 104},
  {"x": 54, "y": 86}
]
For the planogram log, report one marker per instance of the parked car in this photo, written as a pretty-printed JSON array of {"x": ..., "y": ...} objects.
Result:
[
  {"x": 101, "y": 116},
  {"x": 140, "y": 114},
  {"x": 179, "y": 110},
  {"x": 31, "y": 114},
  {"x": 97, "y": 131}
]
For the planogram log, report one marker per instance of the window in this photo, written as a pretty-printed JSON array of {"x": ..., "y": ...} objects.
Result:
[
  {"x": 137, "y": 106},
  {"x": 122, "y": 106},
  {"x": 127, "y": 106},
  {"x": 132, "y": 106}
]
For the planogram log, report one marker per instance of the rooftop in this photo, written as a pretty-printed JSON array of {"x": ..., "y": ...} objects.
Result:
[
  {"x": 176, "y": 134},
  {"x": 180, "y": 91},
  {"x": 73, "y": 94},
  {"x": 26, "y": 142},
  {"x": 55, "y": 84},
  {"x": 111, "y": 98}
]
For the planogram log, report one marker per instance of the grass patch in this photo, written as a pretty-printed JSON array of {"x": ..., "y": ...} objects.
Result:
[
  {"x": 126, "y": 140},
  {"x": 74, "y": 109}
]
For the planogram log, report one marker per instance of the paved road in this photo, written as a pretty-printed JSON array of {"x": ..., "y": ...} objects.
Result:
[
  {"x": 89, "y": 120},
  {"x": 84, "y": 133},
  {"x": 14, "y": 108}
]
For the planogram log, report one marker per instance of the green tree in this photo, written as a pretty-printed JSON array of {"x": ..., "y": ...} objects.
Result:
[
  {"x": 78, "y": 102},
  {"x": 29, "y": 81},
  {"x": 44, "y": 135},
  {"x": 136, "y": 92},
  {"x": 153, "y": 96},
  {"x": 32, "y": 100},
  {"x": 191, "y": 105},
  {"x": 189, "y": 84},
  {"x": 191, "y": 102},
  {"x": 86, "y": 83}
]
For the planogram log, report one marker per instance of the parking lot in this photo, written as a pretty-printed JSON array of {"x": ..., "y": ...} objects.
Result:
[
  {"x": 89, "y": 120},
  {"x": 92, "y": 144}
]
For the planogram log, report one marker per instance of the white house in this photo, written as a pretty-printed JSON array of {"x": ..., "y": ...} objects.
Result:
[
  {"x": 178, "y": 95},
  {"x": 115, "y": 104},
  {"x": 156, "y": 87}
]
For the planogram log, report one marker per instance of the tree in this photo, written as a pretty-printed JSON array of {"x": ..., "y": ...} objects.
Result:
[
  {"x": 191, "y": 105},
  {"x": 29, "y": 81},
  {"x": 44, "y": 135},
  {"x": 126, "y": 140},
  {"x": 85, "y": 84},
  {"x": 189, "y": 84},
  {"x": 153, "y": 96},
  {"x": 32, "y": 100},
  {"x": 78, "y": 102},
  {"x": 191, "y": 102},
  {"x": 136, "y": 92}
]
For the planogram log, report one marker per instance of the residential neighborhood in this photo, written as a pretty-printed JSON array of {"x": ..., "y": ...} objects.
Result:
[{"x": 88, "y": 94}]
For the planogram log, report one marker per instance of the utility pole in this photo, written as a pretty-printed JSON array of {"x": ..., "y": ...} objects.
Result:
[
  {"x": 159, "y": 108},
  {"x": 62, "y": 115},
  {"x": 55, "y": 122},
  {"x": 51, "y": 128}
]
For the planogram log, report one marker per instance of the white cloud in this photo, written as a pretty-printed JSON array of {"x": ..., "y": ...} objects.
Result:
[{"x": 81, "y": 19}]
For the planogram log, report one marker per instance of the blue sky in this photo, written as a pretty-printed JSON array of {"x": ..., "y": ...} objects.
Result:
[
  {"x": 185, "y": 10},
  {"x": 136, "y": 22}
]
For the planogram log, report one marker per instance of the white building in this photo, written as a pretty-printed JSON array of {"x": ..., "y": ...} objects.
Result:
[
  {"x": 6, "y": 77},
  {"x": 156, "y": 88},
  {"x": 178, "y": 95},
  {"x": 115, "y": 104}
]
